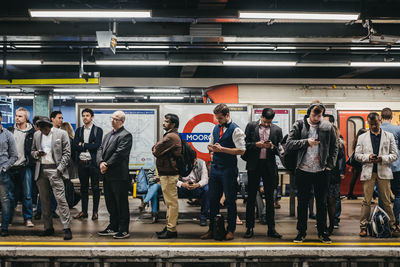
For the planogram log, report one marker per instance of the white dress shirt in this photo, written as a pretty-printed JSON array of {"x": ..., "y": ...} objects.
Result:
[
  {"x": 86, "y": 134},
  {"x": 237, "y": 137},
  {"x": 46, "y": 146}
]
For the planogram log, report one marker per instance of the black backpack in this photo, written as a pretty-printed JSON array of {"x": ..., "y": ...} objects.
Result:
[
  {"x": 219, "y": 231},
  {"x": 289, "y": 158},
  {"x": 71, "y": 195},
  {"x": 185, "y": 163}
]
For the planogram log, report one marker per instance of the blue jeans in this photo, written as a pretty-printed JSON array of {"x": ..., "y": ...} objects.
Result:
[
  {"x": 21, "y": 187},
  {"x": 5, "y": 182},
  {"x": 152, "y": 196},
  {"x": 199, "y": 193},
  {"x": 395, "y": 186}
]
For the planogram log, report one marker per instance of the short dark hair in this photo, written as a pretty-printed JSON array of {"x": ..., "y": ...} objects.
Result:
[
  {"x": 221, "y": 108},
  {"x": 173, "y": 118},
  {"x": 35, "y": 119},
  {"x": 268, "y": 113},
  {"x": 386, "y": 114},
  {"x": 88, "y": 110},
  {"x": 55, "y": 113},
  {"x": 331, "y": 118},
  {"x": 317, "y": 109},
  {"x": 1, "y": 115},
  {"x": 373, "y": 116}
]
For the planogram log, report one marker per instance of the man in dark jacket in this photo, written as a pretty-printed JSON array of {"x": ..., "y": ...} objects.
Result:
[
  {"x": 166, "y": 151},
  {"x": 315, "y": 141},
  {"x": 262, "y": 142},
  {"x": 113, "y": 159},
  {"x": 86, "y": 142},
  {"x": 21, "y": 171}
]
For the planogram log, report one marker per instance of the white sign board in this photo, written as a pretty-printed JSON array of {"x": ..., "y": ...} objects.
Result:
[
  {"x": 196, "y": 123},
  {"x": 142, "y": 124}
]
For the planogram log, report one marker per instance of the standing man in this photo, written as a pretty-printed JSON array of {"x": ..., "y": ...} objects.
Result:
[
  {"x": 317, "y": 148},
  {"x": 262, "y": 142},
  {"x": 56, "y": 118},
  {"x": 86, "y": 142},
  {"x": 376, "y": 150},
  {"x": 21, "y": 172},
  {"x": 166, "y": 151},
  {"x": 387, "y": 115},
  {"x": 52, "y": 150},
  {"x": 8, "y": 156},
  {"x": 226, "y": 142},
  {"x": 113, "y": 159}
]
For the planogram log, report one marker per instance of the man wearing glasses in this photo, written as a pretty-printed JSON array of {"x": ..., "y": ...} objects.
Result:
[{"x": 113, "y": 160}]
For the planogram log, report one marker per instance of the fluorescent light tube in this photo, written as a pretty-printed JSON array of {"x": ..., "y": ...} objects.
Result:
[
  {"x": 94, "y": 97},
  {"x": 258, "y": 63},
  {"x": 21, "y": 96},
  {"x": 374, "y": 64},
  {"x": 367, "y": 48},
  {"x": 157, "y": 90},
  {"x": 10, "y": 90},
  {"x": 143, "y": 46},
  {"x": 23, "y": 62},
  {"x": 73, "y": 90},
  {"x": 298, "y": 15},
  {"x": 132, "y": 62},
  {"x": 251, "y": 47},
  {"x": 167, "y": 97},
  {"x": 103, "y": 14}
]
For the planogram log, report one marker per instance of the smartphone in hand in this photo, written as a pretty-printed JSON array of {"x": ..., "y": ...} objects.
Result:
[{"x": 41, "y": 153}]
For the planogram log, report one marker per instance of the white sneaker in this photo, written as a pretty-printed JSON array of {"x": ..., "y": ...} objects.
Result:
[{"x": 29, "y": 223}]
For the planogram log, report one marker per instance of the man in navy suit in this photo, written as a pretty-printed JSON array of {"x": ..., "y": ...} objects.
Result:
[{"x": 86, "y": 142}]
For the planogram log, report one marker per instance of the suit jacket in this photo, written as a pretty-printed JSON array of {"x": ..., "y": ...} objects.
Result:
[
  {"x": 92, "y": 146},
  {"x": 252, "y": 153},
  {"x": 115, "y": 153},
  {"x": 387, "y": 150},
  {"x": 60, "y": 148}
]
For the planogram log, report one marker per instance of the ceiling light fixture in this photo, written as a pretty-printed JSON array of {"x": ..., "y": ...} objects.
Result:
[
  {"x": 21, "y": 96},
  {"x": 80, "y": 90},
  {"x": 374, "y": 64},
  {"x": 298, "y": 15},
  {"x": 10, "y": 90},
  {"x": 96, "y": 13},
  {"x": 258, "y": 63},
  {"x": 133, "y": 62},
  {"x": 95, "y": 97},
  {"x": 23, "y": 62},
  {"x": 167, "y": 97},
  {"x": 157, "y": 90}
]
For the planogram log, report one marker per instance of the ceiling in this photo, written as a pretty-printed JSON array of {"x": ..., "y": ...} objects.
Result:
[{"x": 197, "y": 36}]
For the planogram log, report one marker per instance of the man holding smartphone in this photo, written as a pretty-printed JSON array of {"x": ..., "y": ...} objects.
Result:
[
  {"x": 195, "y": 185},
  {"x": 376, "y": 149},
  {"x": 262, "y": 142}
]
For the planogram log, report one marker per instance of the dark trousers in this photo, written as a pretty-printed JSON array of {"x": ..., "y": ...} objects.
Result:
[
  {"x": 116, "y": 197},
  {"x": 223, "y": 180},
  {"x": 199, "y": 193},
  {"x": 304, "y": 182},
  {"x": 269, "y": 181},
  {"x": 356, "y": 175},
  {"x": 85, "y": 171}
]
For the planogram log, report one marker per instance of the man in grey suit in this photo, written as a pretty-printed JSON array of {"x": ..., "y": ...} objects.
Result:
[
  {"x": 52, "y": 151},
  {"x": 113, "y": 159}
]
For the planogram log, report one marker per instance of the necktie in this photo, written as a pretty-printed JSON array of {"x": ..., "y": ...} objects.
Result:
[{"x": 221, "y": 131}]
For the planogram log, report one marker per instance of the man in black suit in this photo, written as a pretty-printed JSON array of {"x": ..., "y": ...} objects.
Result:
[
  {"x": 113, "y": 159},
  {"x": 262, "y": 141},
  {"x": 86, "y": 142}
]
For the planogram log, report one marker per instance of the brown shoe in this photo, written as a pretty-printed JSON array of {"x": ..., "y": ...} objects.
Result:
[
  {"x": 95, "y": 216},
  {"x": 81, "y": 215},
  {"x": 208, "y": 235},
  {"x": 363, "y": 233},
  {"x": 229, "y": 236}
]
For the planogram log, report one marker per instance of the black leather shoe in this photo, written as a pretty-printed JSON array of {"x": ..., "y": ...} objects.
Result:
[
  {"x": 47, "y": 232},
  {"x": 168, "y": 234},
  {"x": 162, "y": 232},
  {"x": 274, "y": 234},
  {"x": 67, "y": 234},
  {"x": 249, "y": 233},
  {"x": 38, "y": 216}
]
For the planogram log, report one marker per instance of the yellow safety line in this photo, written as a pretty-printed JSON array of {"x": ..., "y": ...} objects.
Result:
[
  {"x": 56, "y": 243},
  {"x": 49, "y": 81}
]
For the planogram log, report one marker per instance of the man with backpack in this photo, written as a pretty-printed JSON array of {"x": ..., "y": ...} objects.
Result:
[
  {"x": 226, "y": 142},
  {"x": 262, "y": 142},
  {"x": 315, "y": 141},
  {"x": 167, "y": 151},
  {"x": 376, "y": 150},
  {"x": 86, "y": 142}
]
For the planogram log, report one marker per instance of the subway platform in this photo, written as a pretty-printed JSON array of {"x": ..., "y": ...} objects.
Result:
[{"x": 24, "y": 246}]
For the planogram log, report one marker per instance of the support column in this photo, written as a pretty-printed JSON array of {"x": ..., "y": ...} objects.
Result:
[{"x": 42, "y": 103}]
